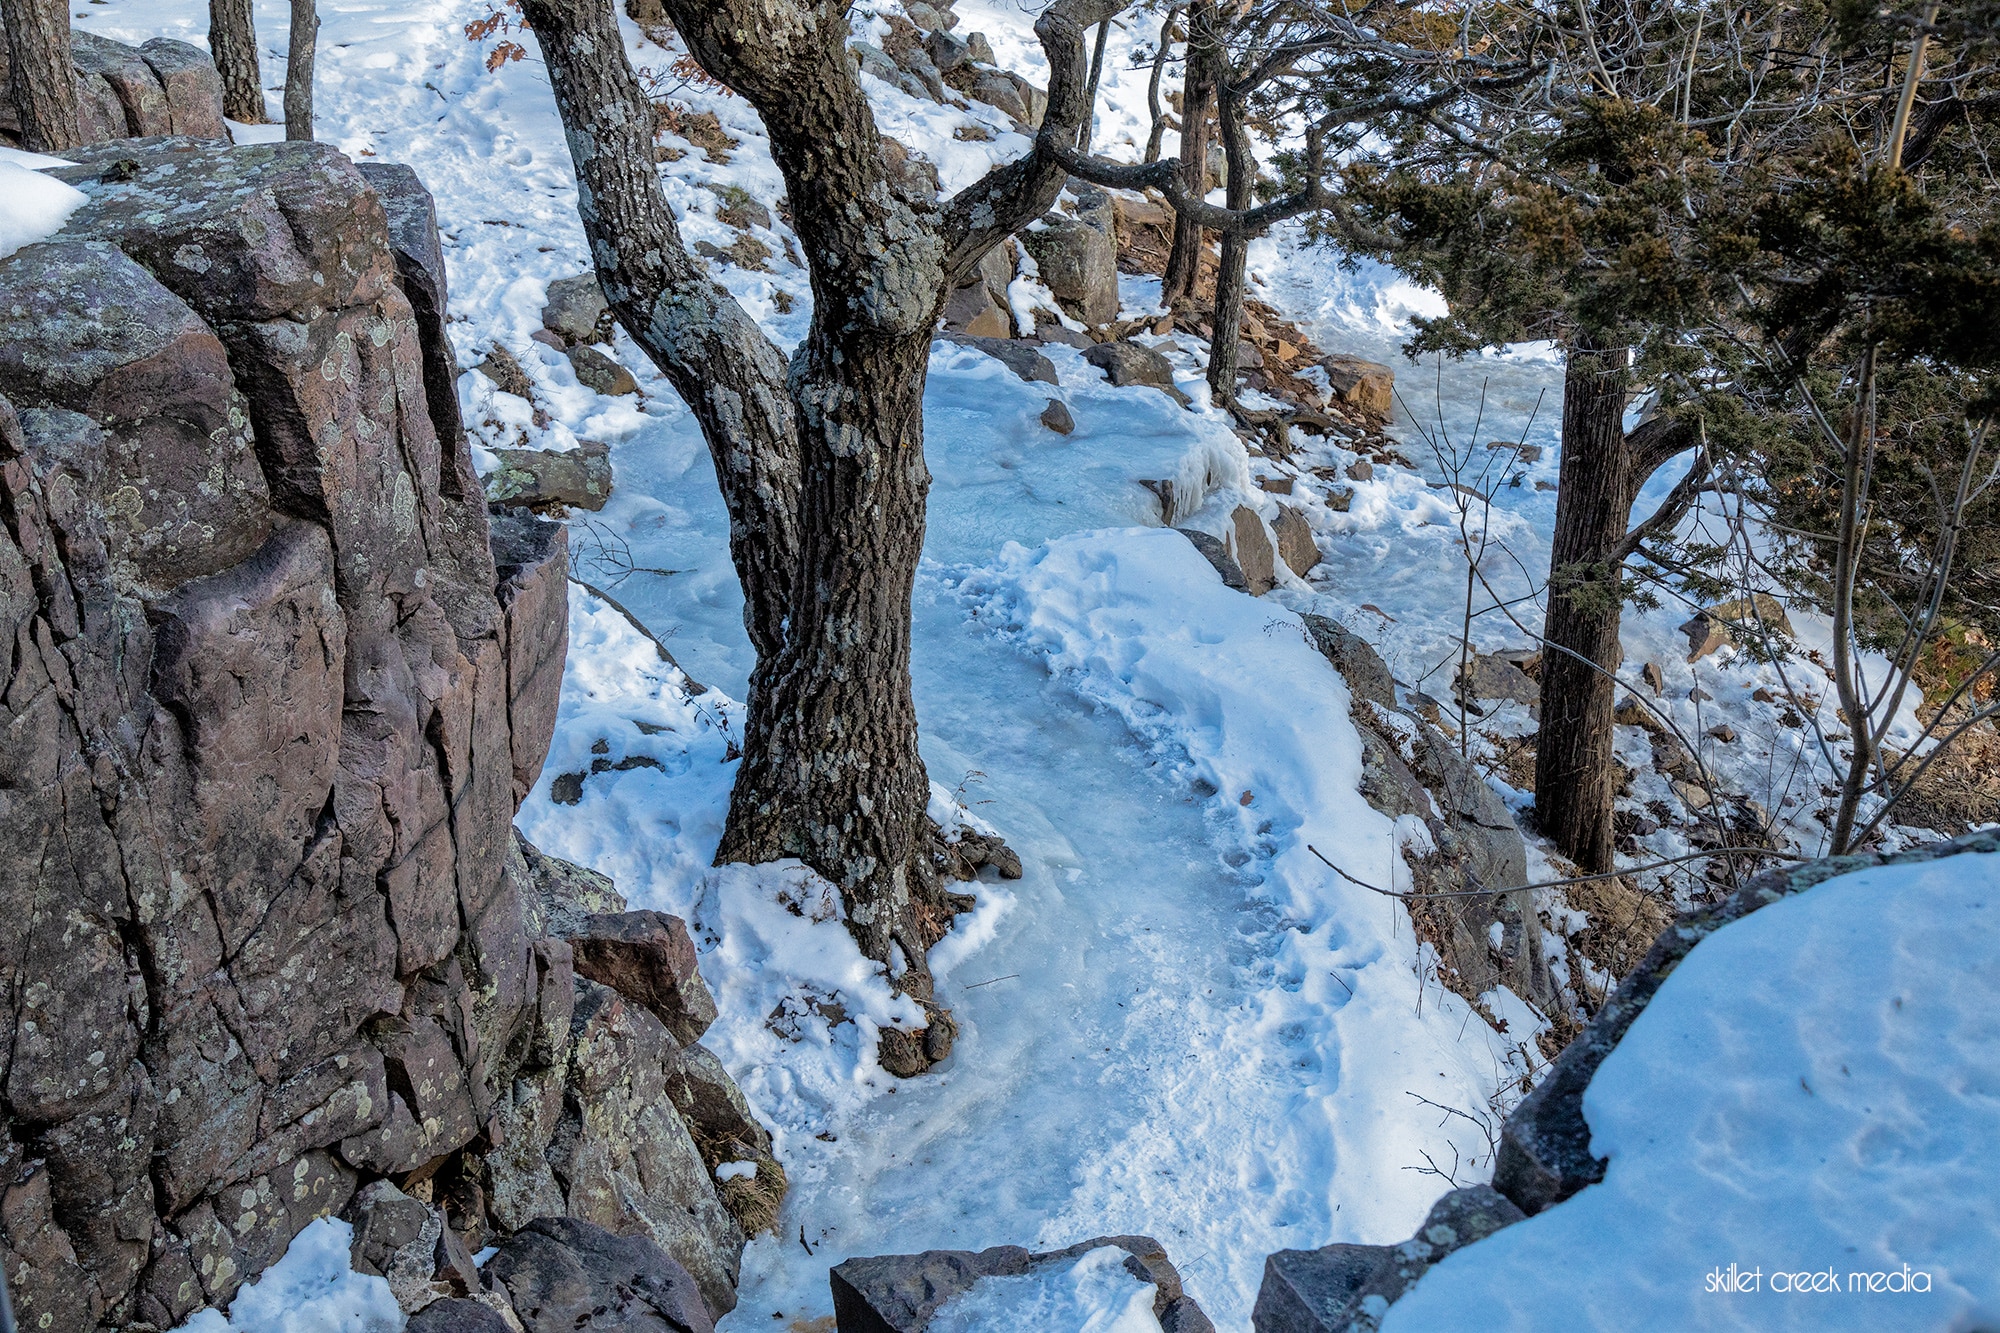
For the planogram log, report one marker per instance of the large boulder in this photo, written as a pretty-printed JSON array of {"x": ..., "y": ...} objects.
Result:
[
  {"x": 1545, "y": 1152},
  {"x": 1250, "y": 546},
  {"x": 1079, "y": 265},
  {"x": 1125, "y": 362},
  {"x": 258, "y": 634},
  {"x": 1348, "y": 1288},
  {"x": 542, "y": 479},
  {"x": 900, "y": 1293},
  {"x": 562, "y": 1275},
  {"x": 163, "y": 87},
  {"x": 1367, "y": 385},
  {"x": 267, "y": 634}
]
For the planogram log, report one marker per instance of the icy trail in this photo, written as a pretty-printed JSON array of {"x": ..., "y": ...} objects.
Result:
[{"x": 1177, "y": 1022}]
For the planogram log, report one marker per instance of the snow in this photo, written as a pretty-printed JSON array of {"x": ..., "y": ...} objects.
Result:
[
  {"x": 1801, "y": 1095},
  {"x": 1093, "y": 1294},
  {"x": 33, "y": 207},
  {"x": 312, "y": 1289},
  {"x": 1177, "y": 1022}
]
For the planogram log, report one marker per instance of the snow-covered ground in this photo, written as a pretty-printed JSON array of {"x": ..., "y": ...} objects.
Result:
[
  {"x": 1177, "y": 1022},
  {"x": 1800, "y": 1130}
]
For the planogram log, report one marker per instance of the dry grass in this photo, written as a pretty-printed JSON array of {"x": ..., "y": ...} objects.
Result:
[
  {"x": 1624, "y": 922},
  {"x": 754, "y": 1201},
  {"x": 1961, "y": 788}
]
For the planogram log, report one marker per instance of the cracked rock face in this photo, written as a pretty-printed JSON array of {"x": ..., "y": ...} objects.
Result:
[
  {"x": 276, "y": 681},
  {"x": 267, "y": 706}
]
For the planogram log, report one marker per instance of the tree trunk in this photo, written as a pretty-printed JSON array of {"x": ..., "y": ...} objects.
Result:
[
  {"x": 232, "y": 40},
  {"x": 1153, "y": 108},
  {"x": 1230, "y": 285},
  {"x": 1183, "y": 270},
  {"x": 831, "y": 772},
  {"x": 821, "y": 460},
  {"x": 1096, "y": 73},
  {"x": 42, "y": 74},
  {"x": 1575, "y": 778},
  {"x": 299, "y": 70}
]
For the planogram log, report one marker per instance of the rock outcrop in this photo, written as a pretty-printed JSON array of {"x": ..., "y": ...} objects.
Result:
[
  {"x": 900, "y": 1293},
  {"x": 163, "y": 87},
  {"x": 1409, "y": 767},
  {"x": 275, "y": 689},
  {"x": 1347, "y": 1288}
]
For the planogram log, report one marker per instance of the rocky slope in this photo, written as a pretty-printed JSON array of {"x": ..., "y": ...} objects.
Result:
[{"x": 274, "y": 689}]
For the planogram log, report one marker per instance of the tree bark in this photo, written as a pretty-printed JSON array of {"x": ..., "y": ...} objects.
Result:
[
  {"x": 821, "y": 461},
  {"x": 299, "y": 70},
  {"x": 1230, "y": 285},
  {"x": 232, "y": 40},
  {"x": 1096, "y": 73},
  {"x": 1178, "y": 282},
  {"x": 1575, "y": 779},
  {"x": 42, "y": 74},
  {"x": 1153, "y": 108}
]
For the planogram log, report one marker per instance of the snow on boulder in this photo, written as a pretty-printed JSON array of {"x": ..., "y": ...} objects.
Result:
[
  {"x": 1788, "y": 1111},
  {"x": 33, "y": 207}
]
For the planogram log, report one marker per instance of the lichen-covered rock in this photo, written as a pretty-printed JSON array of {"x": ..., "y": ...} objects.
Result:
[
  {"x": 260, "y": 750},
  {"x": 621, "y": 1152},
  {"x": 542, "y": 479},
  {"x": 576, "y": 310},
  {"x": 1079, "y": 265},
  {"x": 647, "y": 957},
  {"x": 276, "y": 686}
]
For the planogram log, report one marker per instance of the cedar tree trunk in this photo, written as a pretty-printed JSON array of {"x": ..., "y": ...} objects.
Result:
[
  {"x": 1226, "y": 324},
  {"x": 299, "y": 70},
  {"x": 820, "y": 457},
  {"x": 1603, "y": 469},
  {"x": 1178, "y": 283},
  {"x": 232, "y": 40},
  {"x": 42, "y": 75}
]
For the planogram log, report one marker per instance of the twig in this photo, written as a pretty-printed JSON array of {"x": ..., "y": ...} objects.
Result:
[
  {"x": 694, "y": 687},
  {"x": 1558, "y": 883}
]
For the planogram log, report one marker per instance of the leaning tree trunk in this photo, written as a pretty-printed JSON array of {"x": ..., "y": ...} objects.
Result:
[
  {"x": 1575, "y": 779},
  {"x": 1224, "y": 340},
  {"x": 42, "y": 73},
  {"x": 1178, "y": 283},
  {"x": 299, "y": 70},
  {"x": 232, "y": 40},
  {"x": 1096, "y": 73},
  {"x": 821, "y": 460}
]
